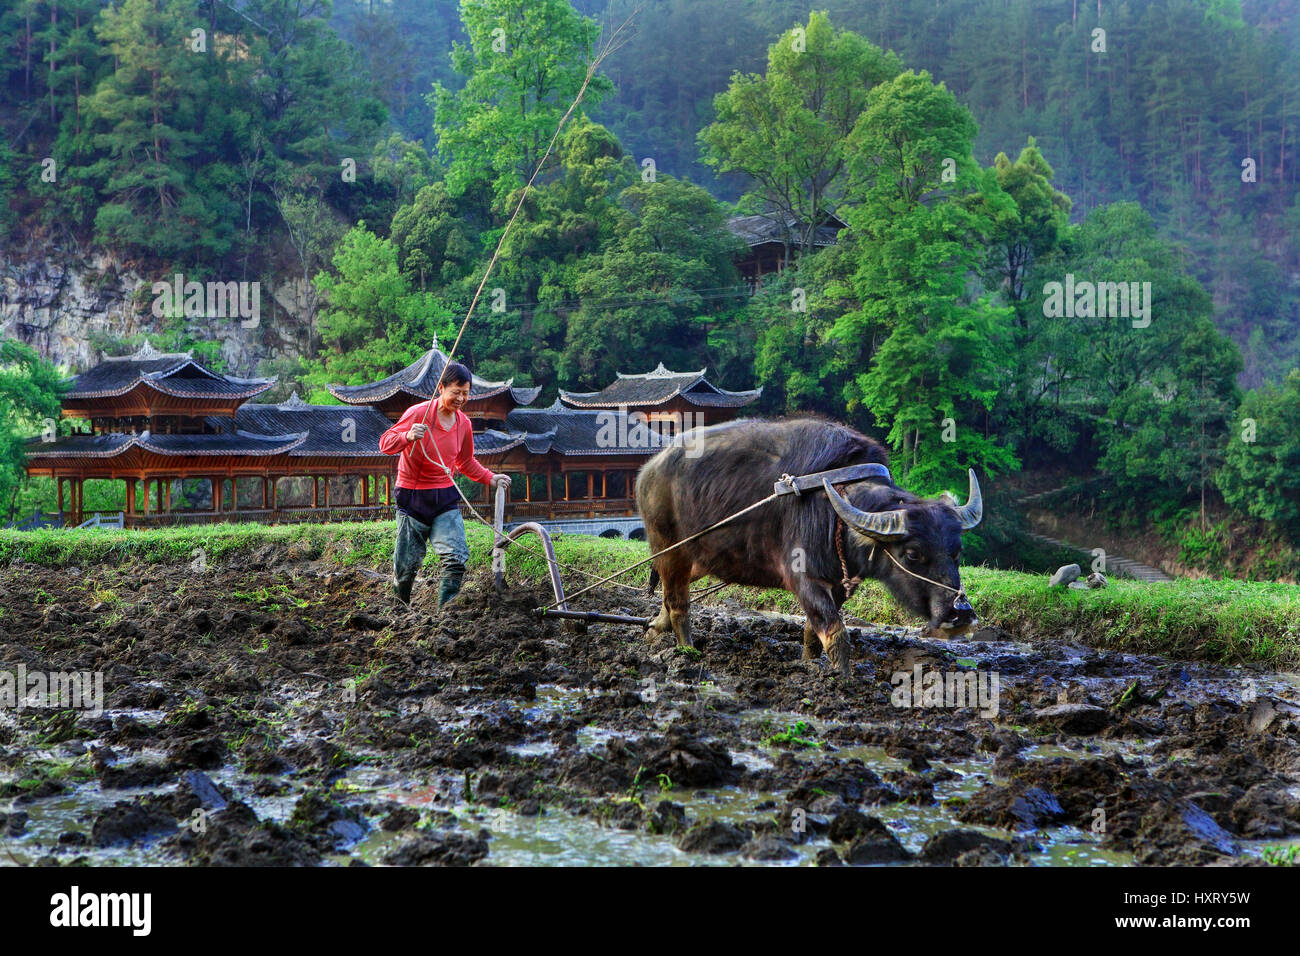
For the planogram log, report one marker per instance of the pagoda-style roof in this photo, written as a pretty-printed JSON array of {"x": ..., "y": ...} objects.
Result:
[
  {"x": 490, "y": 442},
  {"x": 568, "y": 431},
  {"x": 324, "y": 426},
  {"x": 174, "y": 374},
  {"x": 114, "y": 445},
  {"x": 760, "y": 230},
  {"x": 418, "y": 382},
  {"x": 660, "y": 386},
  {"x": 292, "y": 428}
]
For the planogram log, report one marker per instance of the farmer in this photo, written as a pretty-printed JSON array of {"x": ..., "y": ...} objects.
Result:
[{"x": 427, "y": 500}]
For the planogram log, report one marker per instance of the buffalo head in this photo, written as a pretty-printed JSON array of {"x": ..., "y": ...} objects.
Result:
[{"x": 911, "y": 545}]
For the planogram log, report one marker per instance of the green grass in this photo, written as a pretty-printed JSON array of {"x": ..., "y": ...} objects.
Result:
[
  {"x": 365, "y": 542},
  {"x": 795, "y": 735},
  {"x": 1226, "y": 621}
]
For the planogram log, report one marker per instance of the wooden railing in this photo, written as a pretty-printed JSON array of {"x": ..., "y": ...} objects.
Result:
[
  {"x": 288, "y": 514},
  {"x": 282, "y": 515},
  {"x": 98, "y": 520},
  {"x": 556, "y": 510},
  {"x": 38, "y": 520}
]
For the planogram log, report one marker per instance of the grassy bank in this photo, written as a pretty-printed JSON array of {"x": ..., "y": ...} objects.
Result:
[{"x": 1228, "y": 621}]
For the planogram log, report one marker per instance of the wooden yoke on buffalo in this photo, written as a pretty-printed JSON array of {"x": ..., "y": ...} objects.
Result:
[{"x": 789, "y": 485}]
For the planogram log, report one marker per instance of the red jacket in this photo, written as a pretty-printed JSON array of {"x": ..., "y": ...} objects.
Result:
[{"x": 419, "y": 467}]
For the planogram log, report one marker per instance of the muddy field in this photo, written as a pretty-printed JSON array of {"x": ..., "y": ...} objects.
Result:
[{"x": 288, "y": 712}]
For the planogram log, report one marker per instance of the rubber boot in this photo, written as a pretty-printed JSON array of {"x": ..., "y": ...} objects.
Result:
[
  {"x": 402, "y": 589},
  {"x": 449, "y": 587}
]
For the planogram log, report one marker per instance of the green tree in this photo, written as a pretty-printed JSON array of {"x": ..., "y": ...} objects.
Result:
[
  {"x": 405, "y": 166},
  {"x": 924, "y": 219},
  {"x": 525, "y": 63},
  {"x": 29, "y": 396},
  {"x": 787, "y": 130},
  {"x": 373, "y": 323},
  {"x": 1175, "y": 426},
  {"x": 1028, "y": 239},
  {"x": 1261, "y": 470},
  {"x": 641, "y": 298},
  {"x": 435, "y": 243},
  {"x": 152, "y": 123}
]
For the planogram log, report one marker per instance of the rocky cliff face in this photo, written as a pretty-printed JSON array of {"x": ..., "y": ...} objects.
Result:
[{"x": 63, "y": 304}]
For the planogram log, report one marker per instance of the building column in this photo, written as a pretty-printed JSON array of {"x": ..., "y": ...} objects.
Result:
[
  {"x": 602, "y": 482},
  {"x": 315, "y": 491},
  {"x": 528, "y": 487},
  {"x": 566, "y": 486},
  {"x": 326, "y": 481},
  {"x": 167, "y": 495},
  {"x": 264, "y": 499},
  {"x": 275, "y": 492},
  {"x": 130, "y": 496},
  {"x": 365, "y": 490},
  {"x": 234, "y": 493},
  {"x": 217, "y": 493}
]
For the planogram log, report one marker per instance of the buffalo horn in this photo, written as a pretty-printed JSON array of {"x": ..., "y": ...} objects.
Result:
[
  {"x": 881, "y": 525},
  {"x": 972, "y": 511}
]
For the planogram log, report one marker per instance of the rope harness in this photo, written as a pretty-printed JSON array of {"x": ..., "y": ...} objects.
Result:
[{"x": 851, "y": 583}]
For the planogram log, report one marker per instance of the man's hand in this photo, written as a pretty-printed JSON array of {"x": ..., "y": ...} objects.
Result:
[
  {"x": 500, "y": 481},
  {"x": 417, "y": 432}
]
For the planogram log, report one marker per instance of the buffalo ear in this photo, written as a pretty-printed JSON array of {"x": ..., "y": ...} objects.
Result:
[{"x": 879, "y": 525}]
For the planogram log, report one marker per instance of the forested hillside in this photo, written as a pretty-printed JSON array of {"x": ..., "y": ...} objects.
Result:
[
  {"x": 1183, "y": 94},
  {"x": 1003, "y": 171}
]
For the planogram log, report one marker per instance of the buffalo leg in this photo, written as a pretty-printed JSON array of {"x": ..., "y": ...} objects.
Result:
[
  {"x": 662, "y": 622},
  {"x": 678, "y": 597},
  {"x": 823, "y": 621},
  {"x": 675, "y": 573},
  {"x": 812, "y": 644}
]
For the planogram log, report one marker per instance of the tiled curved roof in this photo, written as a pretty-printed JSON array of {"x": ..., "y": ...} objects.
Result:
[
  {"x": 110, "y": 446},
  {"x": 79, "y": 446},
  {"x": 172, "y": 373},
  {"x": 659, "y": 386},
  {"x": 570, "y": 431},
  {"x": 420, "y": 381},
  {"x": 324, "y": 426},
  {"x": 757, "y": 230},
  {"x": 238, "y": 443},
  {"x": 491, "y": 443}
]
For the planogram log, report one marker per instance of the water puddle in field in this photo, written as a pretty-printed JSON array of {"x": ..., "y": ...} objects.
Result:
[{"x": 61, "y": 825}]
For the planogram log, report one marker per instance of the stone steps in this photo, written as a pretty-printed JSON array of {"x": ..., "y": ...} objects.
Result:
[{"x": 1114, "y": 565}]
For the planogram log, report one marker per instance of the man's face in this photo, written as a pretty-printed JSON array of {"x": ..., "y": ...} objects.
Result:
[{"x": 453, "y": 396}]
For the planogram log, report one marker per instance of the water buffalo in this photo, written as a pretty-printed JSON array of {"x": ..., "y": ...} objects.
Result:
[{"x": 909, "y": 544}]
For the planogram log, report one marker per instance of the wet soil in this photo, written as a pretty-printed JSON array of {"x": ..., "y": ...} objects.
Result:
[{"x": 289, "y": 712}]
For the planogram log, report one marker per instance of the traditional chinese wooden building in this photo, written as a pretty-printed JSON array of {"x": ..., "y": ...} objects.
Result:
[
  {"x": 772, "y": 240},
  {"x": 579, "y": 456},
  {"x": 668, "y": 400},
  {"x": 569, "y": 463},
  {"x": 489, "y": 402},
  {"x": 161, "y": 420}
]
